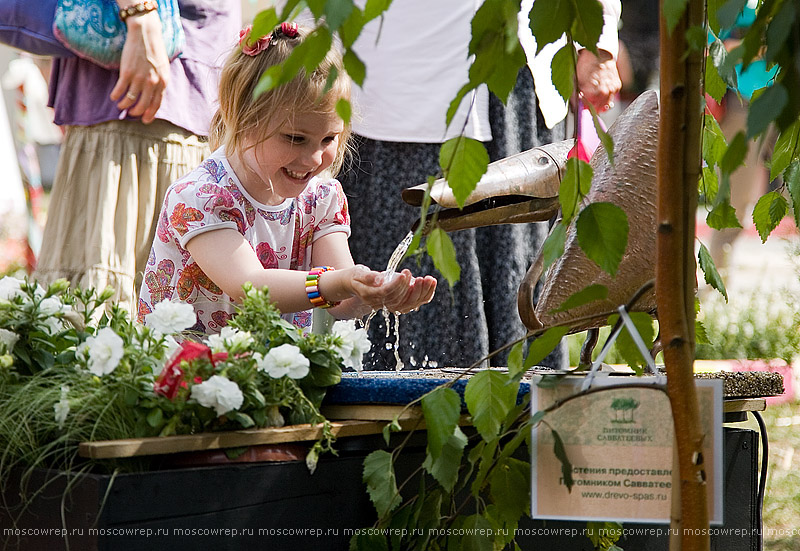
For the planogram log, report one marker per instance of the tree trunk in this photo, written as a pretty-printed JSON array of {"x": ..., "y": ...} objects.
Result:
[{"x": 678, "y": 169}]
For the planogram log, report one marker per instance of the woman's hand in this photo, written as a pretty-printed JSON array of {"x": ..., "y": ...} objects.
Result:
[
  {"x": 399, "y": 292},
  {"x": 598, "y": 79},
  {"x": 144, "y": 68}
]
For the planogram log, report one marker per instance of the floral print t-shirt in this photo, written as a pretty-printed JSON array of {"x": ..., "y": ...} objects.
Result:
[{"x": 211, "y": 198}]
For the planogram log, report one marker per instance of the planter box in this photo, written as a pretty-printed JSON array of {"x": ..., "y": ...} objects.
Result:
[{"x": 279, "y": 505}]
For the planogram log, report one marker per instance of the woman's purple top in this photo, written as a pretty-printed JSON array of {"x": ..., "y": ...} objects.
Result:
[{"x": 79, "y": 89}]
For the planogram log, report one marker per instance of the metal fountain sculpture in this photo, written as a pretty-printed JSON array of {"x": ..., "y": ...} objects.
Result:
[{"x": 524, "y": 188}]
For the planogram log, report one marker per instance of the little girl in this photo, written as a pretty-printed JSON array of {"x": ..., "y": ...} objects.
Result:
[{"x": 262, "y": 208}]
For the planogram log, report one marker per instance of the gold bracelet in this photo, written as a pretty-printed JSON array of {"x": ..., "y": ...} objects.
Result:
[{"x": 138, "y": 9}]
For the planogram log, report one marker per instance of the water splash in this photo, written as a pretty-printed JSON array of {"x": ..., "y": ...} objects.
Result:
[
  {"x": 391, "y": 268},
  {"x": 399, "y": 253}
]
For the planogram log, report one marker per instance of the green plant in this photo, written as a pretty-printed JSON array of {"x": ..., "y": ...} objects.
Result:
[
  {"x": 68, "y": 380},
  {"x": 753, "y": 326}
]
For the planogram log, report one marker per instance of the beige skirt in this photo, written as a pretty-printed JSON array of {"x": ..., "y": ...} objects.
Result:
[{"x": 109, "y": 185}]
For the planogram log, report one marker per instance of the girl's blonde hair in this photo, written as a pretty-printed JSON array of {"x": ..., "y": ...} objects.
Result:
[{"x": 242, "y": 116}]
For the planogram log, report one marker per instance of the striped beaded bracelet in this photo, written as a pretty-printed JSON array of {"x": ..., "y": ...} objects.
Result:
[{"x": 312, "y": 288}]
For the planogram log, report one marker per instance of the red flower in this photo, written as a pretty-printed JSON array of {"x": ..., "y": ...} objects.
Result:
[
  {"x": 256, "y": 47},
  {"x": 171, "y": 376},
  {"x": 289, "y": 30}
]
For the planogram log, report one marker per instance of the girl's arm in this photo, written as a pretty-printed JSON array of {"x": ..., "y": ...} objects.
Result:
[
  {"x": 371, "y": 290},
  {"x": 229, "y": 260}
]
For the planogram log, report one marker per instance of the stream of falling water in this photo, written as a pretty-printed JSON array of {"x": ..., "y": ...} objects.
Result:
[{"x": 391, "y": 268}]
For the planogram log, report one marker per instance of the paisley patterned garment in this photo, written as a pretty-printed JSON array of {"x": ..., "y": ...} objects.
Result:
[{"x": 210, "y": 198}]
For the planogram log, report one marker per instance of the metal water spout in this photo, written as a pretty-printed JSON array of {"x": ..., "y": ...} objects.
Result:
[
  {"x": 518, "y": 189},
  {"x": 524, "y": 188}
]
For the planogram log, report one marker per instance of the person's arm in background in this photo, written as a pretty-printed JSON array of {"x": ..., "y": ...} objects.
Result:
[
  {"x": 598, "y": 78},
  {"x": 144, "y": 67}
]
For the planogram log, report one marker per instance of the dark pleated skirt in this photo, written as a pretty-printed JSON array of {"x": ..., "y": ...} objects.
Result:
[{"x": 479, "y": 313}]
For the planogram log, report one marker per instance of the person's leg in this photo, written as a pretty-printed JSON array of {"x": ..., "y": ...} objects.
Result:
[
  {"x": 451, "y": 330},
  {"x": 108, "y": 190},
  {"x": 505, "y": 252}
]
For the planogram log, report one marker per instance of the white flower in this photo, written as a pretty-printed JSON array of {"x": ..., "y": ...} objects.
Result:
[
  {"x": 105, "y": 350},
  {"x": 285, "y": 359},
  {"x": 355, "y": 343},
  {"x": 8, "y": 339},
  {"x": 10, "y": 287},
  {"x": 219, "y": 393},
  {"x": 52, "y": 325},
  {"x": 170, "y": 317},
  {"x": 229, "y": 337},
  {"x": 51, "y": 306},
  {"x": 62, "y": 407}
]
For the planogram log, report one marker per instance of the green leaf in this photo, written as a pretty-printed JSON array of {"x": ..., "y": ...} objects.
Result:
[
  {"x": 709, "y": 184},
  {"x": 441, "y": 250},
  {"x": 553, "y": 246},
  {"x": 697, "y": 39},
  {"x": 722, "y": 216},
  {"x": 792, "y": 180},
  {"x": 476, "y": 530},
  {"x": 487, "y": 459},
  {"x": 768, "y": 213},
  {"x": 130, "y": 397},
  {"x": 722, "y": 60},
  {"x": 344, "y": 110},
  {"x": 368, "y": 540},
  {"x": 444, "y": 468},
  {"x": 561, "y": 455},
  {"x": 155, "y": 417},
  {"x": 625, "y": 344},
  {"x": 700, "y": 333},
  {"x": 729, "y": 12},
  {"x": 456, "y": 102},
  {"x": 714, "y": 144},
  {"x": 510, "y": 486},
  {"x": 515, "y": 361},
  {"x": 584, "y": 296},
  {"x": 264, "y": 22},
  {"x": 715, "y": 86},
  {"x": 389, "y": 428},
  {"x": 463, "y": 162},
  {"x": 317, "y": 7},
  {"x": 543, "y": 345},
  {"x": 735, "y": 153},
  {"x": 786, "y": 150},
  {"x": 550, "y": 20},
  {"x": 351, "y": 28},
  {"x": 604, "y": 535},
  {"x": 563, "y": 71},
  {"x": 489, "y": 399},
  {"x": 355, "y": 68},
  {"x": 242, "y": 418},
  {"x": 712, "y": 7},
  {"x": 375, "y": 8},
  {"x": 588, "y": 23},
  {"x": 381, "y": 483},
  {"x": 442, "y": 410},
  {"x": 766, "y": 108},
  {"x": 779, "y": 29},
  {"x": 710, "y": 272},
  {"x": 336, "y": 11},
  {"x": 603, "y": 234},
  {"x": 576, "y": 183},
  {"x": 506, "y": 69},
  {"x": 673, "y": 11}
]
